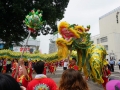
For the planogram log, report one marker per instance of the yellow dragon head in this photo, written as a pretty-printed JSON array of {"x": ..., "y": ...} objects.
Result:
[
  {"x": 71, "y": 31},
  {"x": 67, "y": 31}
]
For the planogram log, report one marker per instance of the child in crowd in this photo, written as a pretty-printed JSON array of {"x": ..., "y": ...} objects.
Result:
[
  {"x": 22, "y": 77},
  {"x": 14, "y": 69},
  {"x": 73, "y": 64},
  {"x": 106, "y": 74}
]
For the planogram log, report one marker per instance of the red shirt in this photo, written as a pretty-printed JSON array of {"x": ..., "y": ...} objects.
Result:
[
  {"x": 30, "y": 71},
  {"x": 4, "y": 67},
  {"x": 44, "y": 72},
  {"x": 42, "y": 84},
  {"x": 105, "y": 73},
  {"x": 4, "y": 63},
  {"x": 14, "y": 69},
  {"x": 75, "y": 67}
]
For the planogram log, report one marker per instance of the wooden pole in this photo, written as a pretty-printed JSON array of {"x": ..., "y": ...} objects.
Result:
[{"x": 26, "y": 43}]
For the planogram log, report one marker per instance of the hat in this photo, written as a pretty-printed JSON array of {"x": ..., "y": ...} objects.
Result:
[{"x": 113, "y": 85}]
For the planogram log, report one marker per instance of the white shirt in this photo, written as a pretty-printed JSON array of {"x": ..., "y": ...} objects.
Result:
[
  {"x": 8, "y": 62},
  {"x": 65, "y": 64},
  {"x": 40, "y": 76}
]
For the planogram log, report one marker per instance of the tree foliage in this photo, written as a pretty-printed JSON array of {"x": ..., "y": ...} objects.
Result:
[{"x": 13, "y": 12}]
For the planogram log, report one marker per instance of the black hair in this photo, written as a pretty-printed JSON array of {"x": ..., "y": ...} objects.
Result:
[
  {"x": 8, "y": 83},
  {"x": 39, "y": 67},
  {"x": 74, "y": 59}
]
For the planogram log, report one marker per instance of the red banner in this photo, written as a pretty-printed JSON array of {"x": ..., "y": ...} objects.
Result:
[{"x": 25, "y": 49}]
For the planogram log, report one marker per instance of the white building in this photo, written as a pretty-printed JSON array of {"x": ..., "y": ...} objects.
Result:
[
  {"x": 32, "y": 46},
  {"x": 109, "y": 25}
]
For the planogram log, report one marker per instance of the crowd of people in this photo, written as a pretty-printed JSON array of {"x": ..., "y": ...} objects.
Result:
[
  {"x": 22, "y": 72},
  {"x": 8, "y": 66},
  {"x": 21, "y": 76}
]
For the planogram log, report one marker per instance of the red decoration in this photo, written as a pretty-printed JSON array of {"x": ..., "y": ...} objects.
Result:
[
  {"x": 66, "y": 33},
  {"x": 25, "y": 49},
  {"x": 31, "y": 29}
]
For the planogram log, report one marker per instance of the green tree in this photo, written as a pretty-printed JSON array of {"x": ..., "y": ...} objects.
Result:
[{"x": 13, "y": 12}]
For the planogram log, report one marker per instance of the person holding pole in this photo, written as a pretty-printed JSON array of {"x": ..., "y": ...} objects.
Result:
[{"x": 22, "y": 77}]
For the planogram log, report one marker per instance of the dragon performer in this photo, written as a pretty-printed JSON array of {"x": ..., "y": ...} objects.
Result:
[{"x": 91, "y": 58}]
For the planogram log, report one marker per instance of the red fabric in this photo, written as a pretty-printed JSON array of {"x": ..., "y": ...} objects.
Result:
[
  {"x": 14, "y": 69},
  {"x": 56, "y": 64},
  {"x": 44, "y": 72},
  {"x": 70, "y": 66},
  {"x": 4, "y": 66},
  {"x": 49, "y": 67},
  {"x": 36, "y": 84},
  {"x": 106, "y": 73},
  {"x": 52, "y": 68},
  {"x": 45, "y": 66},
  {"x": 75, "y": 67},
  {"x": 23, "y": 81},
  {"x": 12, "y": 64},
  {"x": 31, "y": 29},
  {"x": 66, "y": 33},
  {"x": 30, "y": 71}
]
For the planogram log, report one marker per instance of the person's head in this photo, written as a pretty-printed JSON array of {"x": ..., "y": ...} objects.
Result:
[
  {"x": 73, "y": 62},
  {"x": 105, "y": 67},
  {"x": 4, "y": 59},
  {"x": 65, "y": 60},
  {"x": 8, "y": 83},
  {"x": 72, "y": 80},
  {"x": 39, "y": 67},
  {"x": 119, "y": 59},
  {"x": 15, "y": 60}
]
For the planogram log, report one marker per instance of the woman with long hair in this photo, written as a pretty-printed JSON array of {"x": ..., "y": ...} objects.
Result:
[{"x": 72, "y": 80}]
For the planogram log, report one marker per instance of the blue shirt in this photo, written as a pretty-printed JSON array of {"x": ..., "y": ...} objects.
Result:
[
  {"x": 118, "y": 62},
  {"x": 112, "y": 62}
]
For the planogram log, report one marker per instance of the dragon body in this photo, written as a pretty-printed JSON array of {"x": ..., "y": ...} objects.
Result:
[{"x": 91, "y": 58}]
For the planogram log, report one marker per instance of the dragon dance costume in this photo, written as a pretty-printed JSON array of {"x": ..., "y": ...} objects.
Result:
[{"x": 91, "y": 58}]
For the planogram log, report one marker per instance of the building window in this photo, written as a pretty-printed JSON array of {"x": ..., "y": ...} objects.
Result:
[
  {"x": 106, "y": 47},
  {"x": 98, "y": 41},
  {"x": 104, "y": 39}
]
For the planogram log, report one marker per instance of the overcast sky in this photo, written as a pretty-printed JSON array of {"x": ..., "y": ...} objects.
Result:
[{"x": 83, "y": 12}]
